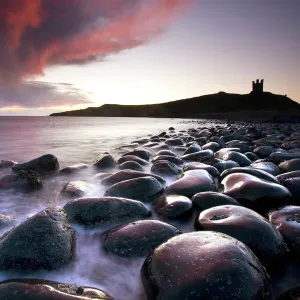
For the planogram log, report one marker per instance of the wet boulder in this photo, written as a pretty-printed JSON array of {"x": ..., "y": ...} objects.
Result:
[
  {"x": 240, "y": 158},
  {"x": 252, "y": 156},
  {"x": 73, "y": 169},
  {"x": 137, "y": 159},
  {"x": 39, "y": 289},
  {"x": 23, "y": 181},
  {"x": 219, "y": 154},
  {"x": 131, "y": 165},
  {"x": 165, "y": 168},
  {"x": 243, "y": 146},
  {"x": 174, "y": 142},
  {"x": 279, "y": 157},
  {"x": 165, "y": 152},
  {"x": 198, "y": 156},
  {"x": 106, "y": 161},
  {"x": 138, "y": 238},
  {"x": 173, "y": 159},
  {"x": 255, "y": 193},
  {"x": 7, "y": 164},
  {"x": 248, "y": 227},
  {"x": 192, "y": 149},
  {"x": 142, "y": 189},
  {"x": 263, "y": 151},
  {"x": 266, "y": 166},
  {"x": 290, "y": 165},
  {"x": 283, "y": 177},
  {"x": 248, "y": 170},
  {"x": 211, "y": 146},
  {"x": 191, "y": 183},
  {"x": 293, "y": 185},
  {"x": 218, "y": 140},
  {"x": 94, "y": 211},
  {"x": 204, "y": 265},
  {"x": 44, "y": 241},
  {"x": 200, "y": 166},
  {"x": 222, "y": 165},
  {"x": 173, "y": 206},
  {"x": 287, "y": 221},
  {"x": 141, "y": 153},
  {"x": 43, "y": 165},
  {"x": 75, "y": 189},
  {"x": 126, "y": 175},
  {"x": 206, "y": 200}
]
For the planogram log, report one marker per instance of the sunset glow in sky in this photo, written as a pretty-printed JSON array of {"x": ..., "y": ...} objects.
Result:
[{"x": 61, "y": 55}]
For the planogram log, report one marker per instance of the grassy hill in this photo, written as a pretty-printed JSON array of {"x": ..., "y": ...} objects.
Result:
[{"x": 208, "y": 105}]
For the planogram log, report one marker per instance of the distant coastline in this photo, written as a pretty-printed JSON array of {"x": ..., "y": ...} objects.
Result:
[{"x": 264, "y": 105}]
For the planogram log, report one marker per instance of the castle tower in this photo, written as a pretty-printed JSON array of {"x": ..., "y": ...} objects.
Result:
[{"x": 258, "y": 87}]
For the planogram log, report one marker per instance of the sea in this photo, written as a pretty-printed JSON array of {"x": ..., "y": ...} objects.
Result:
[{"x": 83, "y": 140}]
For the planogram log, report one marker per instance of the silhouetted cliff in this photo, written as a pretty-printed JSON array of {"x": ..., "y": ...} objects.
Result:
[{"x": 216, "y": 104}]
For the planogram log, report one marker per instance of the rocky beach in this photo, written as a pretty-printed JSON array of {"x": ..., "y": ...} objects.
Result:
[{"x": 207, "y": 211}]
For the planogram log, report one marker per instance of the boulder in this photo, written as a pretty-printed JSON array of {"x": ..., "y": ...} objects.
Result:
[
  {"x": 173, "y": 206},
  {"x": 44, "y": 241},
  {"x": 138, "y": 238},
  {"x": 200, "y": 166},
  {"x": 95, "y": 211},
  {"x": 106, "y": 161},
  {"x": 248, "y": 227},
  {"x": 191, "y": 183},
  {"x": 75, "y": 189},
  {"x": 43, "y": 165},
  {"x": 131, "y": 165},
  {"x": 204, "y": 265},
  {"x": 39, "y": 289},
  {"x": 255, "y": 193},
  {"x": 165, "y": 168},
  {"x": 142, "y": 189},
  {"x": 73, "y": 169}
]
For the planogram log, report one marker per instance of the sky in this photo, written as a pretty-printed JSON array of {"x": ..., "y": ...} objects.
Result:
[{"x": 62, "y": 55}]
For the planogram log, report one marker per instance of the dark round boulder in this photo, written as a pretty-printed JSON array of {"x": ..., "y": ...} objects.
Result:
[
  {"x": 137, "y": 159},
  {"x": 142, "y": 153},
  {"x": 263, "y": 151},
  {"x": 255, "y": 193},
  {"x": 126, "y": 175},
  {"x": 192, "y": 149},
  {"x": 23, "y": 181},
  {"x": 73, "y": 169},
  {"x": 290, "y": 165},
  {"x": 191, "y": 183},
  {"x": 204, "y": 265},
  {"x": 293, "y": 185},
  {"x": 240, "y": 158},
  {"x": 200, "y": 166},
  {"x": 74, "y": 189},
  {"x": 287, "y": 221},
  {"x": 43, "y": 165},
  {"x": 207, "y": 200},
  {"x": 46, "y": 240},
  {"x": 95, "y": 211},
  {"x": 222, "y": 165},
  {"x": 173, "y": 159},
  {"x": 165, "y": 168},
  {"x": 251, "y": 156},
  {"x": 174, "y": 142},
  {"x": 211, "y": 146},
  {"x": 106, "y": 161},
  {"x": 266, "y": 166},
  {"x": 198, "y": 156},
  {"x": 7, "y": 164},
  {"x": 173, "y": 206},
  {"x": 142, "y": 189},
  {"x": 283, "y": 177},
  {"x": 39, "y": 289},
  {"x": 248, "y": 170},
  {"x": 165, "y": 152},
  {"x": 131, "y": 165},
  {"x": 138, "y": 238},
  {"x": 248, "y": 227}
]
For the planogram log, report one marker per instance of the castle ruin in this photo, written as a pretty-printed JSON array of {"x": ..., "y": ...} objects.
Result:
[{"x": 258, "y": 87}]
